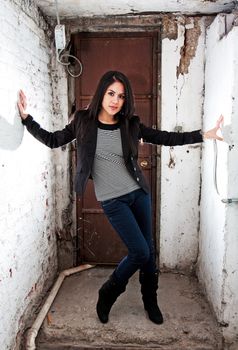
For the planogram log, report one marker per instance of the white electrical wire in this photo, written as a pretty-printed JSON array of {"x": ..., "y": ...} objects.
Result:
[
  {"x": 215, "y": 167},
  {"x": 60, "y": 54},
  {"x": 224, "y": 200},
  {"x": 57, "y": 12}
]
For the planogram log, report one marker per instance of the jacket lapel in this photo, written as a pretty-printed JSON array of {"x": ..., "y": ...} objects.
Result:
[{"x": 90, "y": 140}]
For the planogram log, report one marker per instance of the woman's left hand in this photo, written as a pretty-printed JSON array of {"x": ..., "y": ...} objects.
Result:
[
  {"x": 22, "y": 104},
  {"x": 212, "y": 134}
]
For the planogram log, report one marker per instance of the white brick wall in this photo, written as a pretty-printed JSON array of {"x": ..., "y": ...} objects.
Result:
[
  {"x": 218, "y": 258},
  {"x": 28, "y": 256}
]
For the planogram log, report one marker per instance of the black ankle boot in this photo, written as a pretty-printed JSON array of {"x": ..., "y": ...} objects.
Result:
[
  {"x": 108, "y": 294},
  {"x": 149, "y": 286}
]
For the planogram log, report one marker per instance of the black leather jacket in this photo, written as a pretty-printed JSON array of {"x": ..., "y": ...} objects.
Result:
[{"x": 86, "y": 144}]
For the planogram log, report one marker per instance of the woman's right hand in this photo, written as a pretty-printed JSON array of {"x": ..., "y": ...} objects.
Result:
[
  {"x": 22, "y": 104},
  {"x": 212, "y": 134}
]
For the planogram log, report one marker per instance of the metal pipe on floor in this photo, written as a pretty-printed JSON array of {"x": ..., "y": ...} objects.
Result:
[{"x": 33, "y": 331}]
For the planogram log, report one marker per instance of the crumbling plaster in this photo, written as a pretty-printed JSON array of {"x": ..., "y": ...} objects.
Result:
[{"x": 181, "y": 109}]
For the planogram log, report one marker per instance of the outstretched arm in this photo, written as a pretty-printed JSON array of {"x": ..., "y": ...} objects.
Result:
[
  {"x": 166, "y": 138},
  {"x": 50, "y": 139}
]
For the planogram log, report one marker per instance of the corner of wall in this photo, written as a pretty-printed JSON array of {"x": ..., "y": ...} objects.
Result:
[{"x": 64, "y": 193}]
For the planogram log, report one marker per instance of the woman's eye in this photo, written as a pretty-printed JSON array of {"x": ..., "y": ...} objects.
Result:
[
  {"x": 110, "y": 93},
  {"x": 122, "y": 97}
]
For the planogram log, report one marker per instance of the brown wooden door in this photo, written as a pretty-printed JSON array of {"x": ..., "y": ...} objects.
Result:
[{"x": 134, "y": 55}]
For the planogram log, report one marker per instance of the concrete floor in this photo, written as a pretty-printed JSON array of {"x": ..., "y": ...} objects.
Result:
[{"x": 72, "y": 321}]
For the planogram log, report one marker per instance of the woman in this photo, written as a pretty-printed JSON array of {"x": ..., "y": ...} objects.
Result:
[{"x": 107, "y": 135}]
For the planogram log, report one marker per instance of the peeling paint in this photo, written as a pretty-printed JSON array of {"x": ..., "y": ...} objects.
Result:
[
  {"x": 230, "y": 21},
  {"x": 192, "y": 33},
  {"x": 181, "y": 111},
  {"x": 32, "y": 290},
  {"x": 172, "y": 162},
  {"x": 64, "y": 233},
  {"x": 170, "y": 28}
]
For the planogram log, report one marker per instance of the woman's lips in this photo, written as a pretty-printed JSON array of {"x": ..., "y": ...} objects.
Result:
[{"x": 113, "y": 108}]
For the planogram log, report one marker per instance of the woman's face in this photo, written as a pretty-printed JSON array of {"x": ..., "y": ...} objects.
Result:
[{"x": 113, "y": 99}]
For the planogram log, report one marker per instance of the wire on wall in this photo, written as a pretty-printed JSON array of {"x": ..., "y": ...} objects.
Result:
[
  {"x": 61, "y": 55},
  {"x": 73, "y": 64},
  {"x": 224, "y": 200}
]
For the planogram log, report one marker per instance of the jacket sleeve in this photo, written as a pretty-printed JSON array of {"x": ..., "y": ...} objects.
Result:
[
  {"x": 166, "y": 138},
  {"x": 50, "y": 139}
]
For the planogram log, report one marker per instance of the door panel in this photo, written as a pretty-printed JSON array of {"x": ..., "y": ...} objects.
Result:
[
  {"x": 135, "y": 55},
  {"x": 126, "y": 54}
]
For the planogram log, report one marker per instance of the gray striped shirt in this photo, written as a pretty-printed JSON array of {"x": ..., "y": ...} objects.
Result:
[{"x": 109, "y": 173}]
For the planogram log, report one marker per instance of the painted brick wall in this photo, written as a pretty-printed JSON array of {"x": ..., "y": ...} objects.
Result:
[
  {"x": 28, "y": 255},
  {"x": 218, "y": 259}
]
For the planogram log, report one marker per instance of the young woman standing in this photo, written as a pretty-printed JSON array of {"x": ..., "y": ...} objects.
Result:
[{"x": 107, "y": 135}]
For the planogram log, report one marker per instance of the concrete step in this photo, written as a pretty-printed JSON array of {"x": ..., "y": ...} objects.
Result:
[{"x": 72, "y": 321}]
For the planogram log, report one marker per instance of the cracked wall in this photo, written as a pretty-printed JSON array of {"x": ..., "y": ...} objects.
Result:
[
  {"x": 181, "y": 110},
  {"x": 192, "y": 32}
]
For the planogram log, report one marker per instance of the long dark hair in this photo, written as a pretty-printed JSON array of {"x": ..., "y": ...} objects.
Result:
[
  {"x": 127, "y": 111},
  {"x": 106, "y": 80}
]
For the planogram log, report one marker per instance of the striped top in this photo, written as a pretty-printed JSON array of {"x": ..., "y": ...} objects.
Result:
[{"x": 110, "y": 176}]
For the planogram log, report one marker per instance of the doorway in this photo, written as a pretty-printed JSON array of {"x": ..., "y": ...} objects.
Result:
[{"x": 134, "y": 54}]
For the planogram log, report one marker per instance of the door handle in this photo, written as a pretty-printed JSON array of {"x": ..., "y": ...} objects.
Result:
[{"x": 144, "y": 163}]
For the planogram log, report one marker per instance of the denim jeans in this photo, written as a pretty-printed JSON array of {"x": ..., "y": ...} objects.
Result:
[{"x": 130, "y": 216}]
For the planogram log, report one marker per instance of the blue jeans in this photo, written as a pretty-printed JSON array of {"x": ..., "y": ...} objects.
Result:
[{"x": 130, "y": 216}]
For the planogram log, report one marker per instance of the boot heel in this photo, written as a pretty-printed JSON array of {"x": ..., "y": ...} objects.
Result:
[
  {"x": 149, "y": 286},
  {"x": 154, "y": 314},
  {"x": 107, "y": 295}
]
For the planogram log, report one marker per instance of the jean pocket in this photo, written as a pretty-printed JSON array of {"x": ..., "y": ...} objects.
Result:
[{"x": 108, "y": 202}]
